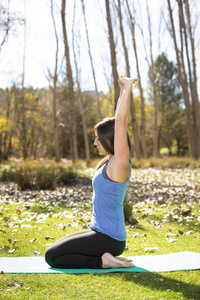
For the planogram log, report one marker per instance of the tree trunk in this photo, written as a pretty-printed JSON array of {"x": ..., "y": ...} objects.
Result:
[
  {"x": 6, "y": 136},
  {"x": 143, "y": 126},
  {"x": 184, "y": 41},
  {"x": 55, "y": 79},
  {"x": 23, "y": 109},
  {"x": 193, "y": 79},
  {"x": 132, "y": 106},
  {"x": 112, "y": 53},
  {"x": 92, "y": 66},
  {"x": 80, "y": 102},
  {"x": 183, "y": 81},
  {"x": 72, "y": 120},
  {"x": 155, "y": 102}
]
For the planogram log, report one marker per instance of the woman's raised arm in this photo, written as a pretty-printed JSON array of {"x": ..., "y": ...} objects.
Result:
[{"x": 119, "y": 167}]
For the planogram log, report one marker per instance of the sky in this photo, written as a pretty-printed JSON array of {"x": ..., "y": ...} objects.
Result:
[{"x": 40, "y": 43}]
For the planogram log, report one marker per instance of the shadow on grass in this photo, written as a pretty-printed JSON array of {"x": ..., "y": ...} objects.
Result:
[{"x": 157, "y": 281}]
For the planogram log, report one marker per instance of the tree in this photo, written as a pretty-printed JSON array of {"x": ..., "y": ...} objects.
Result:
[
  {"x": 5, "y": 125},
  {"x": 153, "y": 82},
  {"x": 143, "y": 125},
  {"x": 132, "y": 105},
  {"x": 112, "y": 53},
  {"x": 23, "y": 104},
  {"x": 91, "y": 62},
  {"x": 80, "y": 100},
  {"x": 189, "y": 38},
  {"x": 169, "y": 97},
  {"x": 189, "y": 94},
  {"x": 55, "y": 80},
  {"x": 7, "y": 22},
  {"x": 72, "y": 119}
]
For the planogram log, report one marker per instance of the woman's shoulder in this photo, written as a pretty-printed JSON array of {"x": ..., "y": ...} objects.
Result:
[
  {"x": 119, "y": 171},
  {"x": 103, "y": 161}
]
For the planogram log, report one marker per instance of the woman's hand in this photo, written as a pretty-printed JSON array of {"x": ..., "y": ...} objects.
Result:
[{"x": 126, "y": 80}]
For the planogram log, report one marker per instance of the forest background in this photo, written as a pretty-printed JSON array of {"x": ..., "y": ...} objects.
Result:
[{"x": 58, "y": 81}]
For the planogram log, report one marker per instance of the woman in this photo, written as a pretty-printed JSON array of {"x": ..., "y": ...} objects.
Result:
[{"x": 100, "y": 246}]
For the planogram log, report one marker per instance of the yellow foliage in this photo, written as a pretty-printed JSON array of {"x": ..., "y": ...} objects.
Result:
[{"x": 3, "y": 124}]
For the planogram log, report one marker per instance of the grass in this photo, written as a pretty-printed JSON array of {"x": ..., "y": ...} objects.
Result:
[
  {"x": 109, "y": 286},
  {"x": 162, "y": 200}
]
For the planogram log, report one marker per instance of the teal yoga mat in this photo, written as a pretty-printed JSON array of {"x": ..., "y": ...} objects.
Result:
[{"x": 148, "y": 263}]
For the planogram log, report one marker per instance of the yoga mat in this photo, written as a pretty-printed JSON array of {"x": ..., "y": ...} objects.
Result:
[{"x": 148, "y": 263}]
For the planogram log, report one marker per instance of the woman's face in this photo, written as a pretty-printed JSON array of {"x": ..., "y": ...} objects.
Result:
[{"x": 99, "y": 146}]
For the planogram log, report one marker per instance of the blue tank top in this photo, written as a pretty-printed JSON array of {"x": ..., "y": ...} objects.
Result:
[{"x": 108, "y": 198}]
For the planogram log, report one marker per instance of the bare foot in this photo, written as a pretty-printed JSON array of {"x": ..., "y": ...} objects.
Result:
[
  {"x": 127, "y": 80},
  {"x": 109, "y": 261},
  {"x": 123, "y": 258}
]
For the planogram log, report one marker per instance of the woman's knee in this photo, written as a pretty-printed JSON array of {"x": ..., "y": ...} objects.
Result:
[{"x": 49, "y": 257}]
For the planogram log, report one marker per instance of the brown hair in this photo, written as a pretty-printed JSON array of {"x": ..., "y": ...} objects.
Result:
[{"x": 106, "y": 132}]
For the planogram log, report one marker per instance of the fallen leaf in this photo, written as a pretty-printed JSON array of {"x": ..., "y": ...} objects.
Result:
[
  {"x": 33, "y": 240},
  {"x": 159, "y": 279},
  {"x": 187, "y": 212},
  {"x": 14, "y": 242},
  {"x": 189, "y": 232},
  {"x": 171, "y": 234},
  {"x": 11, "y": 251},
  {"x": 135, "y": 235},
  {"x": 172, "y": 240},
  {"x": 151, "y": 249},
  {"x": 180, "y": 232},
  {"x": 48, "y": 238},
  {"x": 6, "y": 248},
  {"x": 6, "y": 219},
  {"x": 18, "y": 284}
]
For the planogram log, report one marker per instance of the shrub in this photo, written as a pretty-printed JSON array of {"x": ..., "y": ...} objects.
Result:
[
  {"x": 128, "y": 208},
  {"x": 45, "y": 177},
  {"x": 66, "y": 176},
  {"x": 24, "y": 175},
  {"x": 166, "y": 163},
  {"x": 8, "y": 173}
]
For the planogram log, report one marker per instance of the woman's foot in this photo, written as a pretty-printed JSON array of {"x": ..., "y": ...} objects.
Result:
[
  {"x": 123, "y": 258},
  {"x": 109, "y": 261},
  {"x": 127, "y": 80}
]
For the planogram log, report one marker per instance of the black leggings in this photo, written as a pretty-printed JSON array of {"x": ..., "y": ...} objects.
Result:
[{"x": 82, "y": 249}]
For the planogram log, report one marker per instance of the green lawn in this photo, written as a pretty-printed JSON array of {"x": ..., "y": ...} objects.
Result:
[{"x": 166, "y": 205}]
